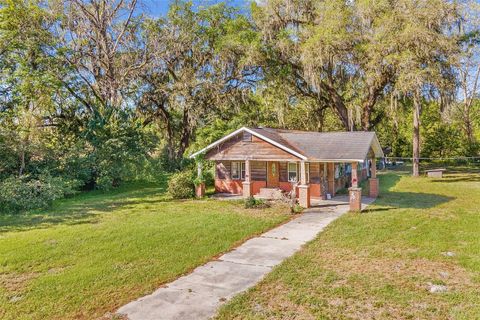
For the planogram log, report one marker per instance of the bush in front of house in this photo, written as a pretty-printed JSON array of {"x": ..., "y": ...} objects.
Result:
[
  {"x": 296, "y": 208},
  {"x": 251, "y": 202},
  {"x": 181, "y": 185},
  {"x": 26, "y": 193}
]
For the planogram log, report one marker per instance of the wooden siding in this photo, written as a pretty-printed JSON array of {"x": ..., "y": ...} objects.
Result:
[
  {"x": 247, "y": 137},
  {"x": 283, "y": 172},
  {"x": 222, "y": 170},
  {"x": 315, "y": 172},
  {"x": 237, "y": 149},
  {"x": 258, "y": 170},
  {"x": 224, "y": 183}
]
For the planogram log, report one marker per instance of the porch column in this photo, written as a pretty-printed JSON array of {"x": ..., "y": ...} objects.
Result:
[
  {"x": 374, "y": 184},
  {"x": 355, "y": 193},
  {"x": 247, "y": 184},
  {"x": 331, "y": 178},
  {"x": 355, "y": 175},
  {"x": 303, "y": 188},
  {"x": 200, "y": 186},
  {"x": 324, "y": 180}
]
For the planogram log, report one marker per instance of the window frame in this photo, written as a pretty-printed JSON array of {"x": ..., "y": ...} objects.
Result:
[
  {"x": 307, "y": 172},
  {"x": 240, "y": 170},
  {"x": 290, "y": 171}
]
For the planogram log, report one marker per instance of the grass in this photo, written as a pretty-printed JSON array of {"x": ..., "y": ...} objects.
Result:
[
  {"x": 90, "y": 254},
  {"x": 380, "y": 264}
]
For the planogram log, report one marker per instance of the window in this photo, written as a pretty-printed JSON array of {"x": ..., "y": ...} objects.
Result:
[
  {"x": 307, "y": 172},
  {"x": 238, "y": 170},
  {"x": 348, "y": 168},
  {"x": 292, "y": 172}
]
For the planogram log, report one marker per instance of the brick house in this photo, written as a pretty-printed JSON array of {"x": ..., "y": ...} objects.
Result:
[{"x": 265, "y": 161}]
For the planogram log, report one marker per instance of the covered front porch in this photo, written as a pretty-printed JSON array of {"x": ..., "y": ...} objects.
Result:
[
  {"x": 338, "y": 200},
  {"x": 312, "y": 183},
  {"x": 275, "y": 163}
]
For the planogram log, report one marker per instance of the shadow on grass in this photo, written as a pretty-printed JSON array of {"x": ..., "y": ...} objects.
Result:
[
  {"x": 463, "y": 178},
  {"x": 414, "y": 200},
  {"x": 390, "y": 199},
  {"x": 83, "y": 208}
]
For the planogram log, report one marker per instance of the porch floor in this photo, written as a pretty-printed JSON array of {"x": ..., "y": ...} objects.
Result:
[
  {"x": 227, "y": 196},
  {"x": 315, "y": 202}
]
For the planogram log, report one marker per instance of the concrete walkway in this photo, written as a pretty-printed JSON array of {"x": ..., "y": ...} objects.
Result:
[{"x": 199, "y": 294}]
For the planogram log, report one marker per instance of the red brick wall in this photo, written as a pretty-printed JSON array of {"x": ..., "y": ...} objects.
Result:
[
  {"x": 236, "y": 186},
  {"x": 287, "y": 186},
  {"x": 315, "y": 190},
  {"x": 256, "y": 185},
  {"x": 228, "y": 186}
]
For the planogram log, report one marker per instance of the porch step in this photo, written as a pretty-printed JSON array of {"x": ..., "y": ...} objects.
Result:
[{"x": 270, "y": 193}]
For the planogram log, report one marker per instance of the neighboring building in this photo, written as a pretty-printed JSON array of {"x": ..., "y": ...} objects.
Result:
[{"x": 253, "y": 161}]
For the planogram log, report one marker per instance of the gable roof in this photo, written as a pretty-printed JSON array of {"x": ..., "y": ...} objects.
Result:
[
  {"x": 319, "y": 146},
  {"x": 278, "y": 142}
]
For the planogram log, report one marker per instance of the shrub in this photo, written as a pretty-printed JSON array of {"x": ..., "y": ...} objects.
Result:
[
  {"x": 25, "y": 193},
  {"x": 209, "y": 178},
  {"x": 297, "y": 208},
  {"x": 251, "y": 202},
  {"x": 181, "y": 186}
]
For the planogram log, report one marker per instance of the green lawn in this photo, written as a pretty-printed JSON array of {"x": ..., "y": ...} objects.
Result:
[
  {"x": 90, "y": 254},
  {"x": 381, "y": 264}
]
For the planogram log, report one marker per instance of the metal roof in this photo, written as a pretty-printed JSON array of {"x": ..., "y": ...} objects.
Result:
[{"x": 316, "y": 146}]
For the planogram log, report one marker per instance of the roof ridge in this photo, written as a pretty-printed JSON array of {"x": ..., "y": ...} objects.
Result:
[{"x": 282, "y": 130}]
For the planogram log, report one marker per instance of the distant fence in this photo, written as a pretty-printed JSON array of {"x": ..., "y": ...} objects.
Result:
[{"x": 452, "y": 164}]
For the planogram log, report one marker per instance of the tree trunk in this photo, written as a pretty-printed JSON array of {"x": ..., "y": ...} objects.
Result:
[
  {"x": 367, "y": 109},
  {"x": 468, "y": 123},
  {"x": 417, "y": 109},
  {"x": 22, "y": 162},
  {"x": 336, "y": 102},
  {"x": 186, "y": 135},
  {"x": 340, "y": 108},
  {"x": 170, "y": 138}
]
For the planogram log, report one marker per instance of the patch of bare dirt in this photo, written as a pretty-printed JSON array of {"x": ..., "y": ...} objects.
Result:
[{"x": 16, "y": 282}]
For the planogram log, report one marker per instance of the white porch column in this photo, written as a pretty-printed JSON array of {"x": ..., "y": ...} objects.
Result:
[
  {"x": 354, "y": 174},
  {"x": 373, "y": 169},
  {"x": 303, "y": 175},
  {"x": 355, "y": 193},
  {"x": 303, "y": 188},
  {"x": 247, "y": 183},
  {"x": 200, "y": 187}
]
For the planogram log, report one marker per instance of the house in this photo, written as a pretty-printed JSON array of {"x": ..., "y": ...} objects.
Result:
[{"x": 264, "y": 161}]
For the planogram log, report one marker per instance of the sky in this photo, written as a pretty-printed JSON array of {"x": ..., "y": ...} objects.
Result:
[{"x": 159, "y": 8}]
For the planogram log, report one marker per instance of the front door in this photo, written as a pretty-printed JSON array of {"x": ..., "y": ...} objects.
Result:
[{"x": 273, "y": 174}]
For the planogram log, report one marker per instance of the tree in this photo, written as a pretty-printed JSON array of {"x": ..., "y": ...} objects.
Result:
[
  {"x": 331, "y": 52},
  {"x": 28, "y": 78},
  {"x": 424, "y": 61},
  {"x": 104, "y": 49},
  {"x": 197, "y": 70},
  {"x": 468, "y": 67}
]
